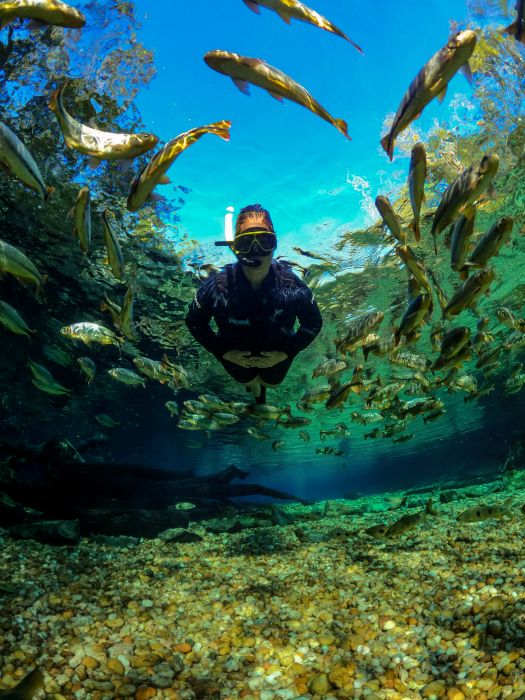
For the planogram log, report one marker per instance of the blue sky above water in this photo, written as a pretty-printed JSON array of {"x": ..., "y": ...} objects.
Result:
[{"x": 297, "y": 165}]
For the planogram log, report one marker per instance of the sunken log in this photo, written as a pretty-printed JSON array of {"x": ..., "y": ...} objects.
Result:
[
  {"x": 114, "y": 498},
  {"x": 137, "y": 522}
]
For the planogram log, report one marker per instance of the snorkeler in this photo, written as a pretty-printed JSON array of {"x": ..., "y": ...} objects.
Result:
[{"x": 255, "y": 303}]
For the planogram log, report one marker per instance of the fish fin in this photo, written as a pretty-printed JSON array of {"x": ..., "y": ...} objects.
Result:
[
  {"x": 154, "y": 197},
  {"x": 125, "y": 164},
  {"x": 164, "y": 180},
  {"x": 435, "y": 243},
  {"x": 441, "y": 95},
  {"x": 70, "y": 215},
  {"x": 53, "y": 100},
  {"x": 417, "y": 231},
  {"x": 35, "y": 24},
  {"x": 276, "y": 96},
  {"x": 284, "y": 17},
  {"x": 342, "y": 126},
  {"x": 253, "y": 6},
  {"x": 467, "y": 72},
  {"x": 93, "y": 162},
  {"x": 356, "y": 46},
  {"x": 491, "y": 192},
  {"x": 48, "y": 193},
  {"x": 464, "y": 273},
  {"x": 388, "y": 145},
  {"x": 242, "y": 85}
]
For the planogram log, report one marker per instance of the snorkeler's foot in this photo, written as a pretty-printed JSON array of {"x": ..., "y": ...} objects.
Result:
[{"x": 262, "y": 396}]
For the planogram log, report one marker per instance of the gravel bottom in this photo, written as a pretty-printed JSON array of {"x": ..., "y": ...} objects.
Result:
[{"x": 260, "y": 615}]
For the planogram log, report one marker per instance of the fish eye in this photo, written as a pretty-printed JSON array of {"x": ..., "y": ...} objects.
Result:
[{"x": 478, "y": 513}]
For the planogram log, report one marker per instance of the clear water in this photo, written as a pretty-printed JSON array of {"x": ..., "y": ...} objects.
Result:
[{"x": 140, "y": 67}]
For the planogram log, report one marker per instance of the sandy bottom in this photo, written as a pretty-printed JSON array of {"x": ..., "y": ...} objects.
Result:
[{"x": 436, "y": 612}]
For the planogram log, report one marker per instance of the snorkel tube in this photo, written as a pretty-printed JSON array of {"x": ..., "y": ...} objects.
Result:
[{"x": 229, "y": 239}]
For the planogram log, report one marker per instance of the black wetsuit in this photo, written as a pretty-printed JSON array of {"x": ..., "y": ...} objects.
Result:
[{"x": 255, "y": 320}]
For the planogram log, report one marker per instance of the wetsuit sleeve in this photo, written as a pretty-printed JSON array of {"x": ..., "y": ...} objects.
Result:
[
  {"x": 310, "y": 323},
  {"x": 198, "y": 321}
]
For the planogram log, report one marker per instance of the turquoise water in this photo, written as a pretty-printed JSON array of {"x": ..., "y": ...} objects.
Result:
[{"x": 135, "y": 67}]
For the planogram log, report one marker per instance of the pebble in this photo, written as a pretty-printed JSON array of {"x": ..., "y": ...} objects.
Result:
[
  {"x": 319, "y": 684},
  {"x": 302, "y": 622}
]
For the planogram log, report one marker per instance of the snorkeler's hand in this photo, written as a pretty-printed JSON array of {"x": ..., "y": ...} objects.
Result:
[
  {"x": 269, "y": 358},
  {"x": 239, "y": 357}
]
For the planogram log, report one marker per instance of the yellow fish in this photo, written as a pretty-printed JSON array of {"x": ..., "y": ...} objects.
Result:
[
  {"x": 482, "y": 512},
  {"x": 49, "y": 11},
  {"x": 102, "y": 145},
  {"x": 243, "y": 70},
  {"x": 154, "y": 173},
  {"x": 293, "y": 9}
]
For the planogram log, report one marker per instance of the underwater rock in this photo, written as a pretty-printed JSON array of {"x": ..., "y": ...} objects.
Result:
[
  {"x": 48, "y": 531},
  {"x": 514, "y": 479},
  {"x": 281, "y": 517},
  {"x": 219, "y": 525},
  {"x": 134, "y": 522},
  {"x": 116, "y": 540},
  {"x": 447, "y": 496},
  {"x": 179, "y": 534},
  {"x": 12, "y": 513}
]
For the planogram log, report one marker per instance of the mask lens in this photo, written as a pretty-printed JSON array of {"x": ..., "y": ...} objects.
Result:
[
  {"x": 263, "y": 241},
  {"x": 267, "y": 241}
]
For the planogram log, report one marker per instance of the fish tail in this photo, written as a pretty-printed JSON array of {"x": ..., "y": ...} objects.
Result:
[
  {"x": 222, "y": 129},
  {"x": 342, "y": 126},
  {"x": 518, "y": 32},
  {"x": 507, "y": 505},
  {"x": 33, "y": 682},
  {"x": 511, "y": 29},
  {"x": 388, "y": 145},
  {"x": 53, "y": 100},
  {"x": 366, "y": 352},
  {"x": 49, "y": 191},
  {"x": 397, "y": 337},
  {"x": 417, "y": 230}
]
